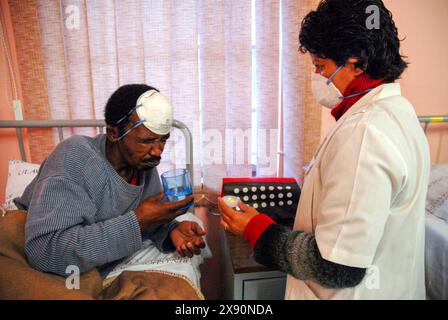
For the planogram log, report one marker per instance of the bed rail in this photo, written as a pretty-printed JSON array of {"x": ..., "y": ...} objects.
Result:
[
  {"x": 61, "y": 124},
  {"x": 432, "y": 119}
]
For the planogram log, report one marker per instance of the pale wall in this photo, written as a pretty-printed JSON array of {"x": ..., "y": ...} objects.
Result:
[{"x": 424, "y": 25}]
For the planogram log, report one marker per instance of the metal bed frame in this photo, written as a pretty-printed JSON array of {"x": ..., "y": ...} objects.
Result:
[
  {"x": 431, "y": 119},
  {"x": 61, "y": 124}
]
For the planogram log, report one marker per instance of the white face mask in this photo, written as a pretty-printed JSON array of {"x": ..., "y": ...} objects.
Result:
[{"x": 324, "y": 91}]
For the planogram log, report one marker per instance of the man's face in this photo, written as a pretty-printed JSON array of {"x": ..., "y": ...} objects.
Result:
[{"x": 141, "y": 148}]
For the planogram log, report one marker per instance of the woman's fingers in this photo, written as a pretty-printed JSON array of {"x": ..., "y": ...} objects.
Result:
[
  {"x": 226, "y": 219},
  {"x": 245, "y": 207},
  {"x": 226, "y": 210},
  {"x": 224, "y": 225},
  {"x": 221, "y": 205}
]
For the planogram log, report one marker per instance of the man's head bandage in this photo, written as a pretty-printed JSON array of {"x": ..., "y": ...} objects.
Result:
[{"x": 154, "y": 112}]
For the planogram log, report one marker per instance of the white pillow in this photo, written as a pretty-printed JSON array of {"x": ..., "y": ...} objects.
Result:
[
  {"x": 20, "y": 174},
  {"x": 437, "y": 198}
]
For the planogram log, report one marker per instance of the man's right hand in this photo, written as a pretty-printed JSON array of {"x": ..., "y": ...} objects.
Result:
[{"x": 153, "y": 213}]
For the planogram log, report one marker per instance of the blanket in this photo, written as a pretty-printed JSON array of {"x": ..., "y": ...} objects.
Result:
[{"x": 20, "y": 281}]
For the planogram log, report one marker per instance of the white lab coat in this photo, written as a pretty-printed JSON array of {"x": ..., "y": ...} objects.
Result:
[{"x": 364, "y": 200}]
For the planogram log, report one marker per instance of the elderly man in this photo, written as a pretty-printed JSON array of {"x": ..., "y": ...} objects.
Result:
[{"x": 94, "y": 200}]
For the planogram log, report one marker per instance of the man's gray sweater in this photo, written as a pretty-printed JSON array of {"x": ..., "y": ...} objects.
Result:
[{"x": 81, "y": 212}]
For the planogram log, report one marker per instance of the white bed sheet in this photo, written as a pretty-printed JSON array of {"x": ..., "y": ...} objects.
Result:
[
  {"x": 150, "y": 258},
  {"x": 436, "y": 257}
]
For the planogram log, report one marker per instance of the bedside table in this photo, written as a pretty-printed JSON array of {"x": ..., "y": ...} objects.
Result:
[{"x": 244, "y": 278}]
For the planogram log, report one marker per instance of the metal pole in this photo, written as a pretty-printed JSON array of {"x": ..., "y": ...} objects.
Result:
[
  {"x": 21, "y": 146},
  {"x": 188, "y": 146}
]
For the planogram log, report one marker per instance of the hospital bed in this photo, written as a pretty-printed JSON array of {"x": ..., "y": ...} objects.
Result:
[
  {"x": 436, "y": 245},
  {"x": 149, "y": 258}
]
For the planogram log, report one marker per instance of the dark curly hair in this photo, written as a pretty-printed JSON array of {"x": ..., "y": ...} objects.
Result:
[
  {"x": 338, "y": 30},
  {"x": 122, "y": 101}
]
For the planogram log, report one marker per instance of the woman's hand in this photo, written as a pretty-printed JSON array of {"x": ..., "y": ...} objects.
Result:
[{"x": 235, "y": 221}]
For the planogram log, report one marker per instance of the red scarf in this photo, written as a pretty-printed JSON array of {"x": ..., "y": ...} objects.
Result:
[{"x": 359, "y": 84}]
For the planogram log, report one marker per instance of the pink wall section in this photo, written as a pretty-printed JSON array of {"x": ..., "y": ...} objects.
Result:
[
  {"x": 424, "y": 25},
  {"x": 9, "y": 148}
]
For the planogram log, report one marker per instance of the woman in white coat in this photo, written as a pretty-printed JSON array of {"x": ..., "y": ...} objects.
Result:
[{"x": 359, "y": 228}]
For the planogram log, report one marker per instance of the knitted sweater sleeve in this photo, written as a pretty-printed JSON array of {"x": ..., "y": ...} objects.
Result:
[
  {"x": 59, "y": 232},
  {"x": 297, "y": 253}
]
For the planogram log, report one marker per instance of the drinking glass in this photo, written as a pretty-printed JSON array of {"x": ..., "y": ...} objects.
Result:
[{"x": 177, "y": 185}]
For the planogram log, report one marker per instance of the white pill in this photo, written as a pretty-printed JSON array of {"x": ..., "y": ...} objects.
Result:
[
  {"x": 263, "y": 204},
  {"x": 263, "y": 196},
  {"x": 254, "y": 197},
  {"x": 245, "y": 190},
  {"x": 289, "y": 202},
  {"x": 289, "y": 195},
  {"x": 236, "y": 191}
]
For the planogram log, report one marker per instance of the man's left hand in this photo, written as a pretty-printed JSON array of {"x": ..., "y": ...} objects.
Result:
[{"x": 187, "y": 238}]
